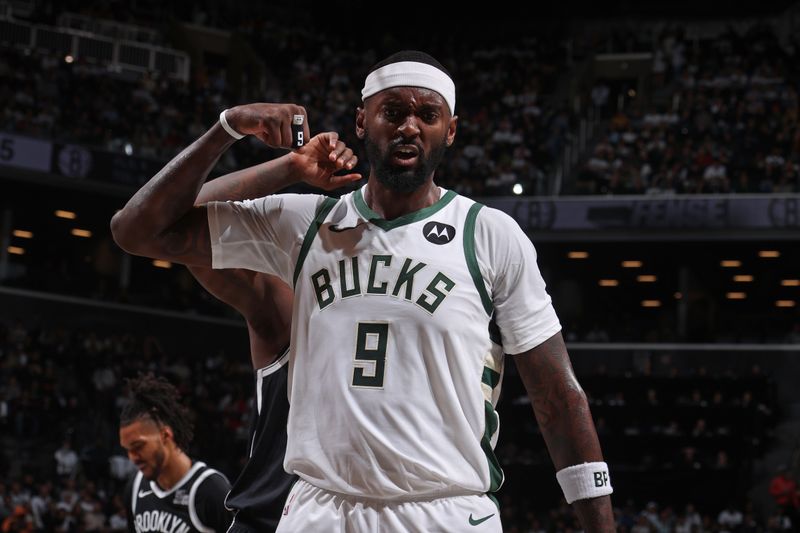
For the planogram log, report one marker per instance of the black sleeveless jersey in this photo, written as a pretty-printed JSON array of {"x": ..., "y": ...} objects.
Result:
[
  {"x": 258, "y": 495},
  {"x": 194, "y": 505}
]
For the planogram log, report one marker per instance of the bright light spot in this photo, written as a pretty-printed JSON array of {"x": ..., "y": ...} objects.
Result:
[
  {"x": 735, "y": 296},
  {"x": 651, "y": 303},
  {"x": 730, "y": 263},
  {"x": 608, "y": 282},
  {"x": 577, "y": 254},
  {"x": 631, "y": 264},
  {"x": 161, "y": 263},
  {"x": 23, "y": 234},
  {"x": 790, "y": 282},
  {"x": 769, "y": 253},
  {"x": 66, "y": 214},
  {"x": 81, "y": 232},
  {"x": 16, "y": 250},
  {"x": 743, "y": 278},
  {"x": 517, "y": 189},
  {"x": 785, "y": 303},
  {"x": 68, "y": 58},
  {"x": 128, "y": 149},
  {"x": 646, "y": 278}
]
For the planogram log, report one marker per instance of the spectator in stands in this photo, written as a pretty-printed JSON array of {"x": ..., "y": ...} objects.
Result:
[
  {"x": 67, "y": 462},
  {"x": 783, "y": 489}
]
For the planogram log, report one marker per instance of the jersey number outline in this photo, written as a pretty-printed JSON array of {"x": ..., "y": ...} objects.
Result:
[{"x": 372, "y": 338}]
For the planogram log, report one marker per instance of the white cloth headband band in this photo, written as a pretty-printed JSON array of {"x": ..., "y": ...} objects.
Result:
[{"x": 411, "y": 74}]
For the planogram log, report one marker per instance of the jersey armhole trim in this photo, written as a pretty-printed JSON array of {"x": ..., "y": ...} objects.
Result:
[
  {"x": 472, "y": 260},
  {"x": 195, "y": 518},
  {"x": 322, "y": 211},
  {"x": 137, "y": 481}
]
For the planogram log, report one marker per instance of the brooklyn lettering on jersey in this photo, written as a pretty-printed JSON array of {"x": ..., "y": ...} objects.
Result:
[
  {"x": 162, "y": 521},
  {"x": 350, "y": 282}
]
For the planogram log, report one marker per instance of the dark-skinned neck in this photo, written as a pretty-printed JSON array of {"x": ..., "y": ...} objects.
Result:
[
  {"x": 390, "y": 204},
  {"x": 174, "y": 469}
]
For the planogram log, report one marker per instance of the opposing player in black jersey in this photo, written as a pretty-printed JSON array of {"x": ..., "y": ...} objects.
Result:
[
  {"x": 170, "y": 492},
  {"x": 258, "y": 494}
]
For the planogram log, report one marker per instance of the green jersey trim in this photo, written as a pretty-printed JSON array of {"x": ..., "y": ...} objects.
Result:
[
  {"x": 386, "y": 225},
  {"x": 322, "y": 211},
  {"x": 495, "y": 472},
  {"x": 472, "y": 259}
]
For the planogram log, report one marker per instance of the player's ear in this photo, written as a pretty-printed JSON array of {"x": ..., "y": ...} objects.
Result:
[
  {"x": 360, "y": 130},
  {"x": 167, "y": 434},
  {"x": 451, "y": 130}
]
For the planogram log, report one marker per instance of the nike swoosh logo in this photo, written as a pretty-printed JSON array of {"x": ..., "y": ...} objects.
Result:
[
  {"x": 474, "y": 522},
  {"x": 143, "y": 493},
  {"x": 336, "y": 229}
]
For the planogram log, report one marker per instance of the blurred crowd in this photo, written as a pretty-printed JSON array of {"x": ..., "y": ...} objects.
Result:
[{"x": 721, "y": 117}]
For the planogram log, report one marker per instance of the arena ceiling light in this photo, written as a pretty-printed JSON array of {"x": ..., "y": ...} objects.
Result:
[
  {"x": 646, "y": 278},
  {"x": 608, "y": 282},
  {"x": 160, "y": 263},
  {"x": 22, "y": 234},
  {"x": 60, "y": 213},
  {"x": 743, "y": 278},
  {"x": 735, "y": 295},
  {"x": 517, "y": 189},
  {"x": 651, "y": 303},
  {"x": 631, "y": 264},
  {"x": 16, "y": 250},
  {"x": 790, "y": 282},
  {"x": 730, "y": 263},
  {"x": 577, "y": 254},
  {"x": 769, "y": 253},
  {"x": 785, "y": 303},
  {"x": 85, "y": 233}
]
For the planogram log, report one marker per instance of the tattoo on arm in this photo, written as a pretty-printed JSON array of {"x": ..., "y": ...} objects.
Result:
[
  {"x": 559, "y": 403},
  {"x": 562, "y": 411}
]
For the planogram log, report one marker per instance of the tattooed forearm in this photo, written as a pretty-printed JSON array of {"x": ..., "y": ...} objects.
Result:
[
  {"x": 559, "y": 404},
  {"x": 152, "y": 222},
  {"x": 254, "y": 182},
  {"x": 562, "y": 411}
]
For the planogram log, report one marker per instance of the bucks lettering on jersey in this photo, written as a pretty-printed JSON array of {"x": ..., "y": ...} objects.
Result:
[
  {"x": 194, "y": 504},
  {"x": 348, "y": 280},
  {"x": 396, "y": 365}
]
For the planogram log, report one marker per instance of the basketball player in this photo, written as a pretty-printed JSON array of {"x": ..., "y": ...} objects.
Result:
[
  {"x": 405, "y": 297},
  {"x": 170, "y": 492},
  {"x": 259, "y": 493}
]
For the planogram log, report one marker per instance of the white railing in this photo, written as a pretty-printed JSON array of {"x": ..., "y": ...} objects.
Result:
[
  {"x": 109, "y": 28},
  {"x": 118, "y": 55}
]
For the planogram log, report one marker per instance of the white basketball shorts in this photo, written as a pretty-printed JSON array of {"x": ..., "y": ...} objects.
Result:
[{"x": 311, "y": 509}]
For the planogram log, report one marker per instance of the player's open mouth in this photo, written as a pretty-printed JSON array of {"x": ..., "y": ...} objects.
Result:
[{"x": 405, "y": 155}]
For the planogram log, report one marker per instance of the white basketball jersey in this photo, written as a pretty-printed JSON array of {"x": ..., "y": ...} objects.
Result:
[{"x": 396, "y": 361}]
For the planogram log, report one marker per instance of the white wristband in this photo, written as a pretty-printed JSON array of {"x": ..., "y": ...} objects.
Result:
[
  {"x": 225, "y": 126},
  {"x": 588, "y": 480}
]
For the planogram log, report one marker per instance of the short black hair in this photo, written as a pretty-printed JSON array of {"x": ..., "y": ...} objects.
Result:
[
  {"x": 155, "y": 398},
  {"x": 409, "y": 55}
]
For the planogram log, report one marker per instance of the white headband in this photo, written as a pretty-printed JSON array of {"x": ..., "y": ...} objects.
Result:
[{"x": 411, "y": 74}]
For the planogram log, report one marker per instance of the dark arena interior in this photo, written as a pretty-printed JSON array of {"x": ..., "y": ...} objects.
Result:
[{"x": 650, "y": 152}]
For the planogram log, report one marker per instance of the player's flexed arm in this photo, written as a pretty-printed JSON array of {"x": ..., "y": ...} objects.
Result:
[
  {"x": 562, "y": 412},
  {"x": 264, "y": 300},
  {"x": 162, "y": 220}
]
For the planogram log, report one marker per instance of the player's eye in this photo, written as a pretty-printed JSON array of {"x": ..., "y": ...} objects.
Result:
[{"x": 391, "y": 113}]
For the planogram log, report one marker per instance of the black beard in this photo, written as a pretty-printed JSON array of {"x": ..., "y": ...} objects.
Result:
[
  {"x": 399, "y": 179},
  {"x": 158, "y": 466}
]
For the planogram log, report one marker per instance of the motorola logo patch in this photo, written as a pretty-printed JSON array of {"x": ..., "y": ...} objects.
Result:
[{"x": 439, "y": 233}]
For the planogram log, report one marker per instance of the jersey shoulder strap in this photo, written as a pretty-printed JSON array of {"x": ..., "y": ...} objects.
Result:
[
  {"x": 322, "y": 211},
  {"x": 472, "y": 259},
  {"x": 194, "y": 516}
]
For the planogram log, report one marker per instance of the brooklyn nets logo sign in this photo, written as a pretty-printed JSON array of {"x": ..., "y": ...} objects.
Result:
[{"x": 439, "y": 233}]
